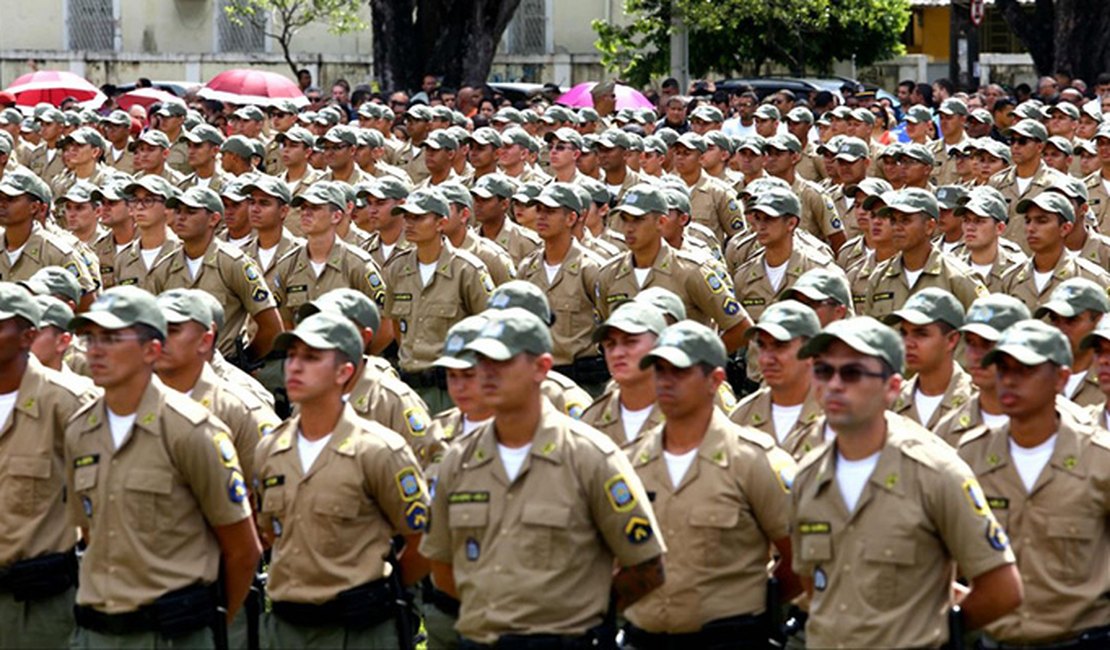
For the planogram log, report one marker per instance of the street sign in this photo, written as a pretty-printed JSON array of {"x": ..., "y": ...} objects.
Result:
[{"x": 978, "y": 8}]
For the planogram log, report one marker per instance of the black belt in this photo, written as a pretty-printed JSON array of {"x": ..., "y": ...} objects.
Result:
[
  {"x": 431, "y": 378},
  {"x": 175, "y": 614},
  {"x": 588, "y": 370},
  {"x": 40, "y": 577},
  {"x": 746, "y": 631},
  {"x": 1092, "y": 639},
  {"x": 602, "y": 637},
  {"x": 440, "y": 600},
  {"x": 360, "y": 607}
]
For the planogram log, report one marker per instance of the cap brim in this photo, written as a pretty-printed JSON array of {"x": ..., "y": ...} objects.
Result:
[
  {"x": 630, "y": 209},
  {"x": 286, "y": 339},
  {"x": 490, "y": 348},
  {"x": 1020, "y": 353},
  {"x": 777, "y": 332},
  {"x": 103, "y": 319},
  {"x": 1057, "y": 307},
  {"x": 1089, "y": 341},
  {"x": 982, "y": 330},
  {"x": 409, "y": 209},
  {"x": 673, "y": 356},
  {"x": 910, "y": 316},
  {"x": 821, "y": 342},
  {"x": 174, "y": 316},
  {"x": 627, "y": 327},
  {"x": 550, "y": 202},
  {"x": 454, "y": 363}
]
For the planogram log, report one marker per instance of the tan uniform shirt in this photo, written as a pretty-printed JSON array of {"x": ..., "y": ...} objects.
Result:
[
  {"x": 298, "y": 187},
  {"x": 571, "y": 296},
  {"x": 459, "y": 288},
  {"x": 1096, "y": 249},
  {"x": 381, "y": 397},
  {"x": 959, "y": 391},
  {"x": 1058, "y": 529},
  {"x": 850, "y": 254},
  {"x": 240, "y": 380},
  {"x": 32, "y": 440},
  {"x": 536, "y": 554},
  {"x": 1021, "y": 284},
  {"x": 518, "y": 241},
  {"x": 121, "y": 160},
  {"x": 565, "y": 395},
  {"x": 819, "y": 215},
  {"x": 150, "y": 506},
  {"x": 412, "y": 161},
  {"x": 43, "y": 249},
  {"x": 62, "y": 182},
  {"x": 332, "y": 525},
  {"x": 707, "y": 295},
  {"x": 882, "y": 574},
  {"x": 296, "y": 282},
  {"x": 945, "y": 171},
  {"x": 216, "y": 182},
  {"x": 756, "y": 411},
  {"x": 753, "y": 286},
  {"x": 248, "y": 420},
  {"x": 178, "y": 158},
  {"x": 230, "y": 276},
  {"x": 131, "y": 269},
  {"x": 500, "y": 266},
  {"x": 377, "y": 249},
  {"x": 105, "y": 249},
  {"x": 969, "y": 415},
  {"x": 287, "y": 242},
  {"x": 605, "y": 416},
  {"x": 715, "y": 206},
  {"x": 1005, "y": 181},
  {"x": 1088, "y": 393},
  {"x": 1004, "y": 260},
  {"x": 719, "y": 522},
  {"x": 887, "y": 289}
]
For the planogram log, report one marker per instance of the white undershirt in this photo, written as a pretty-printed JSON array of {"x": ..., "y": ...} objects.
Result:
[
  {"x": 785, "y": 417},
  {"x": 849, "y": 203},
  {"x": 309, "y": 450},
  {"x": 193, "y": 264},
  {"x": 317, "y": 267},
  {"x": 240, "y": 242},
  {"x": 1041, "y": 279},
  {"x": 469, "y": 425},
  {"x": 116, "y": 153},
  {"x": 679, "y": 464},
  {"x": 775, "y": 273},
  {"x": 948, "y": 247},
  {"x": 613, "y": 189},
  {"x": 912, "y": 276},
  {"x": 926, "y": 405},
  {"x": 1030, "y": 461},
  {"x": 149, "y": 255},
  {"x": 1106, "y": 185},
  {"x": 13, "y": 256},
  {"x": 513, "y": 458},
  {"x": 1022, "y": 184},
  {"x": 829, "y": 433},
  {"x": 120, "y": 426},
  {"x": 7, "y": 405},
  {"x": 266, "y": 255},
  {"x": 993, "y": 421},
  {"x": 1106, "y": 419},
  {"x": 387, "y": 250},
  {"x": 427, "y": 272},
  {"x": 634, "y": 421},
  {"x": 984, "y": 270},
  {"x": 120, "y": 247},
  {"x": 852, "y": 475},
  {"x": 1075, "y": 382},
  {"x": 202, "y": 182},
  {"x": 641, "y": 276},
  {"x": 552, "y": 270}
]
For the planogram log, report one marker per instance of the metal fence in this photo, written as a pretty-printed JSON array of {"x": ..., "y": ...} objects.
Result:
[
  {"x": 247, "y": 36},
  {"x": 527, "y": 31},
  {"x": 92, "y": 25}
]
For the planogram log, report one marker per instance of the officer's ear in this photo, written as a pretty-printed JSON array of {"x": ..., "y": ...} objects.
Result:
[
  {"x": 207, "y": 343},
  {"x": 214, "y": 219},
  {"x": 1062, "y": 374},
  {"x": 542, "y": 364},
  {"x": 367, "y": 336}
]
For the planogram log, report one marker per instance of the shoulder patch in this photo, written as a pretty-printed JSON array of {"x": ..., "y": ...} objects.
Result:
[
  {"x": 416, "y": 419},
  {"x": 619, "y": 494},
  {"x": 408, "y": 484}
]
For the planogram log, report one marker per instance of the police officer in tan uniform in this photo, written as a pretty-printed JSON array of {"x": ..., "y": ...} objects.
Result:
[
  {"x": 387, "y": 230},
  {"x": 459, "y": 233},
  {"x": 1044, "y": 474},
  {"x": 154, "y": 241},
  {"x": 1075, "y": 308},
  {"x": 335, "y": 490},
  {"x": 38, "y": 570},
  {"x": 883, "y": 514},
  {"x": 985, "y": 251},
  {"x": 722, "y": 498},
  {"x": 268, "y": 200},
  {"x": 492, "y": 196},
  {"x": 155, "y": 485},
  {"x": 712, "y": 203},
  {"x": 430, "y": 288},
  {"x": 533, "y": 509}
]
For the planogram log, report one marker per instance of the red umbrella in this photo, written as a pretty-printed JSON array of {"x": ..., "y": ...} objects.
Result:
[
  {"x": 145, "y": 97},
  {"x": 52, "y": 87},
  {"x": 252, "y": 87}
]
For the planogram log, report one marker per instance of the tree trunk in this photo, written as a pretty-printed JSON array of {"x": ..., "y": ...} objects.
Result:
[
  {"x": 1082, "y": 49},
  {"x": 1036, "y": 32},
  {"x": 398, "y": 54}
]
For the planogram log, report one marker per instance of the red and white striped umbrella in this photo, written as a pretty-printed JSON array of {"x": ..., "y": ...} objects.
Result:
[
  {"x": 252, "y": 87},
  {"x": 53, "y": 87}
]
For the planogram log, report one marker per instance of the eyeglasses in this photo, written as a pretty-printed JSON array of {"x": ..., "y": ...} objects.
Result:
[
  {"x": 850, "y": 373},
  {"x": 146, "y": 202},
  {"x": 1022, "y": 141},
  {"x": 107, "y": 339},
  {"x": 562, "y": 147},
  {"x": 334, "y": 147}
]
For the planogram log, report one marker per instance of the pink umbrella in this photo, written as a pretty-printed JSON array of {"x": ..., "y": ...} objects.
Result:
[
  {"x": 53, "y": 87},
  {"x": 627, "y": 97},
  {"x": 145, "y": 97},
  {"x": 252, "y": 87}
]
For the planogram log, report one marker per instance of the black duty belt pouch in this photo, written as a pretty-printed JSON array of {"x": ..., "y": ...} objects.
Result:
[{"x": 40, "y": 577}]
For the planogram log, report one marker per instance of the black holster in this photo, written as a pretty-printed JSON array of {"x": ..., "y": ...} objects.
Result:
[{"x": 40, "y": 577}]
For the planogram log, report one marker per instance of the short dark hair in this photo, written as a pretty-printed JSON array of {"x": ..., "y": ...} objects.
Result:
[
  {"x": 946, "y": 84},
  {"x": 907, "y": 83},
  {"x": 669, "y": 82},
  {"x": 146, "y": 333},
  {"x": 342, "y": 83}
]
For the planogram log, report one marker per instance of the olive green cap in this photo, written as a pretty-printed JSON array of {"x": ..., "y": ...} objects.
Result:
[
  {"x": 327, "y": 116},
  {"x": 508, "y": 114},
  {"x": 1029, "y": 129},
  {"x": 1073, "y": 297},
  {"x": 852, "y": 149},
  {"x": 918, "y": 114},
  {"x": 655, "y": 144},
  {"x": 764, "y": 184},
  {"x": 997, "y": 149},
  {"x": 642, "y": 199},
  {"x": 112, "y": 189},
  {"x": 910, "y": 200},
  {"x": 492, "y": 185},
  {"x": 1101, "y": 331},
  {"x": 667, "y": 134},
  {"x": 665, "y": 300},
  {"x": 892, "y": 150},
  {"x": 929, "y": 305},
  {"x": 518, "y": 136},
  {"x": 982, "y": 115},
  {"x": 918, "y": 152},
  {"x": 370, "y": 138},
  {"x": 862, "y": 115},
  {"x": 800, "y": 114},
  {"x": 10, "y": 116},
  {"x": 530, "y": 117},
  {"x": 785, "y": 320},
  {"x": 776, "y": 203},
  {"x": 1067, "y": 108},
  {"x": 486, "y": 136},
  {"x": 568, "y": 135},
  {"x": 153, "y": 184},
  {"x": 284, "y": 106},
  {"x": 707, "y": 113},
  {"x": 181, "y": 306},
  {"x": 460, "y": 134},
  {"x": 205, "y": 133},
  {"x": 1071, "y": 187},
  {"x": 510, "y": 332},
  {"x": 953, "y": 106},
  {"x": 560, "y": 195},
  {"x": 120, "y": 307},
  {"x": 321, "y": 193},
  {"x": 1061, "y": 144},
  {"x": 691, "y": 140},
  {"x": 352, "y": 304},
  {"x": 152, "y": 137},
  {"x": 677, "y": 199},
  {"x": 249, "y": 112},
  {"x": 15, "y": 301},
  {"x": 984, "y": 204},
  {"x": 84, "y": 135},
  {"x": 950, "y": 197},
  {"x": 632, "y": 317},
  {"x": 54, "y": 281},
  {"x": 441, "y": 113},
  {"x": 990, "y": 315},
  {"x": 198, "y": 197},
  {"x": 173, "y": 108},
  {"x": 1031, "y": 343},
  {"x": 6, "y": 143},
  {"x": 271, "y": 185},
  {"x": 558, "y": 113},
  {"x": 821, "y": 284},
  {"x": 462, "y": 333},
  {"x": 79, "y": 192},
  {"x": 721, "y": 140},
  {"x": 240, "y": 145},
  {"x": 599, "y": 193},
  {"x": 863, "y": 334},
  {"x": 1053, "y": 202},
  {"x": 297, "y": 134},
  {"x": 425, "y": 201},
  {"x": 613, "y": 139},
  {"x": 686, "y": 344},
  {"x": 55, "y": 313},
  {"x": 387, "y": 187},
  {"x": 870, "y": 186},
  {"x": 324, "y": 331},
  {"x": 1086, "y": 146},
  {"x": 456, "y": 193},
  {"x": 346, "y": 190},
  {"x": 235, "y": 189},
  {"x": 783, "y": 142},
  {"x": 441, "y": 139},
  {"x": 768, "y": 112},
  {"x": 522, "y": 294},
  {"x": 19, "y": 182},
  {"x": 370, "y": 110},
  {"x": 528, "y": 192}
]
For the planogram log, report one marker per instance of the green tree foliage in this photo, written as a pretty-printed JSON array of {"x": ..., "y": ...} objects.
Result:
[
  {"x": 290, "y": 16},
  {"x": 738, "y": 36}
]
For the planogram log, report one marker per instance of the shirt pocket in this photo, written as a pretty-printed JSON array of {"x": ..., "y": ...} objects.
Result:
[
  {"x": 543, "y": 535},
  {"x": 146, "y": 495},
  {"x": 1071, "y": 542},
  {"x": 29, "y": 486},
  {"x": 709, "y": 530},
  {"x": 334, "y": 523},
  {"x": 886, "y": 573},
  {"x": 272, "y": 510},
  {"x": 467, "y": 523}
]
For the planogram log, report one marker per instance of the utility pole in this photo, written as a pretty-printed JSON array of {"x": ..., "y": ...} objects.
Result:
[{"x": 680, "y": 48}]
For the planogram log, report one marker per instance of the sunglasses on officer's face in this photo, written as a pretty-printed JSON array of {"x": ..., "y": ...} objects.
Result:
[
  {"x": 1022, "y": 141},
  {"x": 851, "y": 373}
]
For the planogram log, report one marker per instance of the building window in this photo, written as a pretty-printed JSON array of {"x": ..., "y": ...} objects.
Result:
[
  {"x": 996, "y": 36},
  {"x": 248, "y": 35},
  {"x": 527, "y": 31},
  {"x": 92, "y": 25}
]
